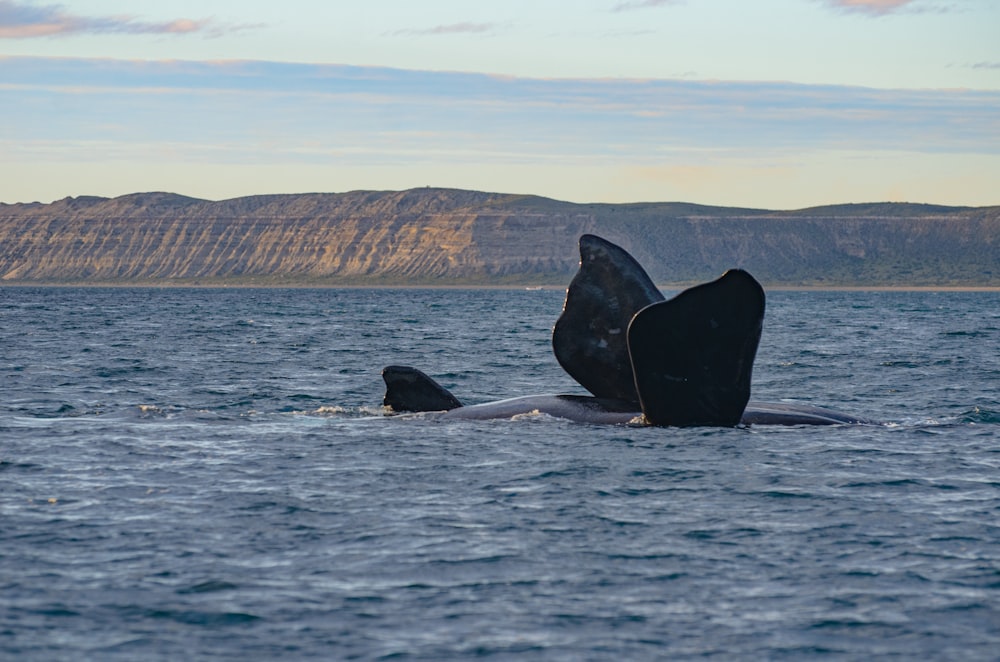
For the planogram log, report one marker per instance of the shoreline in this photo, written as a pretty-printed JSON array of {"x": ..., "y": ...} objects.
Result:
[
  {"x": 666, "y": 287},
  {"x": 883, "y": 288}
]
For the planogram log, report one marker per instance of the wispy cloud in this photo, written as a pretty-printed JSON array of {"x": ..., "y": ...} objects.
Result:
[
  {"x": 200, "y": 127},
  {"x": 451, "y": 28},
  {"x": 871, "y": 7},
  {"x": 19, "y": 20},
  {"x": 639, "y": 118},
  {"x": 986, "y": 65},
  {"x": 644, "y": 4}
]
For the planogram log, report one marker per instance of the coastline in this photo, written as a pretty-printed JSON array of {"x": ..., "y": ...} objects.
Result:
[
  {"x": 882, "y": 288},
  {"x": 665, "y": 287}
]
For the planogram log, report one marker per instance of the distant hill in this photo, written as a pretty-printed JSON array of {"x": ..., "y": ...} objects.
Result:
[{"x": 445, "y": 236}]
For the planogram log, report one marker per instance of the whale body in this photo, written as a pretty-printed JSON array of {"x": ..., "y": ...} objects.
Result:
[{"x": 410, "y": 390}]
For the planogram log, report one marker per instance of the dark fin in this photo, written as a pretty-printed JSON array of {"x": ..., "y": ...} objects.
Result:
[
  {"x": 589, "y": 338},
  {"x": 693, "y": 355},
  {"x": 408, "y": 389}
]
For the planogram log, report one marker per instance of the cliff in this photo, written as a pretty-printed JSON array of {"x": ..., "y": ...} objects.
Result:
[{"x": 447, "y": 236}]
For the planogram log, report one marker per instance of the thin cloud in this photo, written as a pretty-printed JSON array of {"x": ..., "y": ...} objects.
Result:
[
  {"x": 986, "y": 65},
  {"x": 452, "y": 28},
  {"x": 189, "y": 101},
  {"x": 19, "y": 20},
  {"x": 294, "y": 123},
  {"x": 644, "y": 4},
  {"x": 871, "y": 7}
]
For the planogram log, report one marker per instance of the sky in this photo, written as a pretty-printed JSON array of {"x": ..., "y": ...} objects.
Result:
[{"x": 778, "y": 104}]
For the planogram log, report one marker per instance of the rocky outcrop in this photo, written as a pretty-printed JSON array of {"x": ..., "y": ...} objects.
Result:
[{"x": 453, "y": 236}]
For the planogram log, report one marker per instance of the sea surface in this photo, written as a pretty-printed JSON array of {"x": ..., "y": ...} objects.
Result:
[{"x": 208, "y": 474}]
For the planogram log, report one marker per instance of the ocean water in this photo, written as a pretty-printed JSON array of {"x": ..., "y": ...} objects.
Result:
[{"x": 208, "y": 474}]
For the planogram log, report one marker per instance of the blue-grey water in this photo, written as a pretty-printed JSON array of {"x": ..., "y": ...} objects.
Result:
[{"x": 208, "y": 474}]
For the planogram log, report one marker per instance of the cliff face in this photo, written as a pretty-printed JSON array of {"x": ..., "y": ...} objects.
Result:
[{"x": 439, "y": 235}]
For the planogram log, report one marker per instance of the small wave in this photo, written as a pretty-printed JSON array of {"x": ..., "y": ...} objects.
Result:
[
  {"x": 153, "y": 410},
  {"x": 65, "y": 410},
  {"x": 980, "y": 415},
  {"x": 22, "y": 466},
  {"x": 965, "y": 334},
  {"x": 305, "y": 397},
  {"x": 974, "y": 416},
  {"x": 787, "y": 494},
  {"x": 377, "y": 411},
  {"x": 340, "y": 411},
  {"x": 60, "y": 611},
  {"x": 534, "y": 415},
  {"x": 331, "y": 410},
  {"x": 253, "y": 322},
  {"x": 202, "y": 618},
  {"x": 899, "y": 364},
  {"x": 210, "y": 586}
]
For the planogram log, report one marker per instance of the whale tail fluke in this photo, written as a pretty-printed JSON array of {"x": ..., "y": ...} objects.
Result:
[
  {"x": 693, "y": 355},
  {"x": 409, "y": 389},
  {"x": 589, "y": 337},
  {"x": 686, "y": 361}
]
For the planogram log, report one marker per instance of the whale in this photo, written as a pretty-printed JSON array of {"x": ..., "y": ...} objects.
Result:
[
  {"x": 409, "y": 390},
  {"x": 645, "y": 360}
]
